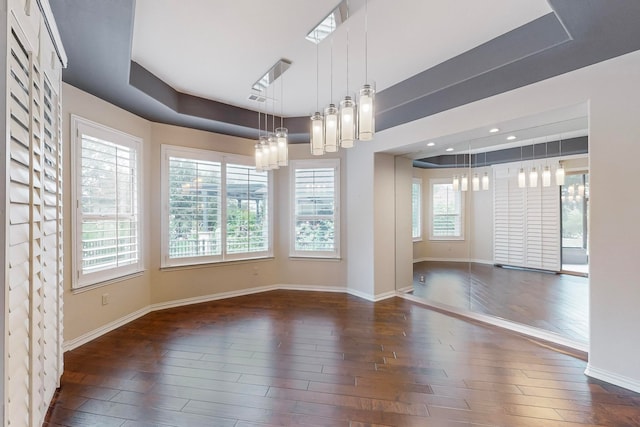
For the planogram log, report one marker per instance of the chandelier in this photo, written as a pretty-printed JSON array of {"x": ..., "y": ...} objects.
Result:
[
  {"x": 340, "y": 128},
  {"x": 272, "y": 149}
]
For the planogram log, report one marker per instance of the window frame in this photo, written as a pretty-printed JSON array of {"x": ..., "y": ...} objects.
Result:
[
  {"x": 315, "y": 164},
  {"x": 417, "y": 238},
  {"x": 440, "y": 181},
  {"x": 168, "y": 151},
  {"x": 82, "y": 126}
]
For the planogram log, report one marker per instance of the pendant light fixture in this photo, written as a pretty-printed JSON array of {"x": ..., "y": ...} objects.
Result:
[
  {"x": 464, "y": 181},
  {"x": 560, "y": 170},
  {"x": 546, "y": 173},
  {"x": 485, "y": 177},
  {"x": 522, "y": 180},
  {"x": 366, "y": 114},
  {"x": 533, "y": 173},
  {"x": 273, "y": 142},
  {"x": 331, "y": 124},
  {"x": 347, "y": 108},
  {"x": 317, "y": 121},
  {"x": 475, "y": 181},
  {"x": 282, "y": 133},
  {"x": 258, "y": 150},
  {"x": 456, "y": 180}
]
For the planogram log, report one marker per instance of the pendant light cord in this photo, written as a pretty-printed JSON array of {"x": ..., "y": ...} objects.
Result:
[
  {"x": 366, "y": 40},
  {"x": 281, "y": 99},
  {"x": 317, "y": 73},
  {"x": 348, "y": 48}
]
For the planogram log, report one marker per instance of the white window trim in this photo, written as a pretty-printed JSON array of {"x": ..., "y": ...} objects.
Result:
[
  {"x": 432, "y": 182},
  {"x": 313, "y": 164},
  {"x": 213, "y": 156},
  {"x": 78, "y": 124},
  {"x": 420, "y": 208}
]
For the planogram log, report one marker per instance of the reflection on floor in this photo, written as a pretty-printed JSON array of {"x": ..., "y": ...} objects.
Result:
[{"x": 555, "y": 302}]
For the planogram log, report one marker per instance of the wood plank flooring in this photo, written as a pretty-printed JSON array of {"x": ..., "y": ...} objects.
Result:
[
  {"x": 554, "y": 302},
  {"x": 323, "y": 359}
]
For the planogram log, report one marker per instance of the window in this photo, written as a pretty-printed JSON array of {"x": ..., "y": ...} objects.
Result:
[
  {"x": 446, "y": 211},
  {"x": 416, "y": 209},
  {"x": 215, "y": 207},
  {"x": 315, "y": 212},
  {"x": 106, "y": 174}
]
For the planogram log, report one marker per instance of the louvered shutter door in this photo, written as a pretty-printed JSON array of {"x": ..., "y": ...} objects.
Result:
[
  {"x": 526, "y": 221},
  {"x": 33, "y": 266},
  {"x": 501, "y": 216},
  {"x": 19, "y": 313}
]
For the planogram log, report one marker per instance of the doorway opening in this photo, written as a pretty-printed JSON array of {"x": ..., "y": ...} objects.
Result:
[{"x": 574, "y": 200}]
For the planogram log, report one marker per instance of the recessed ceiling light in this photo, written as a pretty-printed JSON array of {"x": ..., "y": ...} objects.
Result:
[
  {"x": 494, "y": 130},
  {"x": 431, "y": 144},
  {"x": 511, "y": 137},
  {"x": 449, "y": 149}
]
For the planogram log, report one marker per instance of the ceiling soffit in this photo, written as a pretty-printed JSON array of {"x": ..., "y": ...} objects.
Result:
[{"x": 98, "y": 35}]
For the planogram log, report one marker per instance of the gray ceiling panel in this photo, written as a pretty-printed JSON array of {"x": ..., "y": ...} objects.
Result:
[{"x": 97, "y": 36}]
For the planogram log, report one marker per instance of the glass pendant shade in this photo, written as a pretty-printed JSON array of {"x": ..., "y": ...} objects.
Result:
[
  {"x": 464, "y": 183},
  {"x": 475, "y": 182},
  {"x": 546, "y": 177},
  {"x": 485, "y": 181},
  {"x": 366, "y": 114},
  {"x": 282, "y": 135},
  {"x": 533, "y": 177},
  {"x": 347, "y": 122},
  {"x": 258, "y": 156},
  {"x": 456, "y": 183},
  {"x": 264, "y": 145},
  {"x": 560, "y": 175},
  {"x": 317, "y": 134},
  {"x": 273, "y": 152},
  {"x": 522, "y": 180},
  {"x": 331, "y": 129}
]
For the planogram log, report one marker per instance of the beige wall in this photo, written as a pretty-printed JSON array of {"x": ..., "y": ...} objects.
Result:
[
  {"x": 614, "y": 132},
  {"x": 83, "y": 310},
  {"x": 478, "y": 221}
]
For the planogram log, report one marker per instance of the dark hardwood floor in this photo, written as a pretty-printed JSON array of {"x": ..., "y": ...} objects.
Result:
[
  {"x": 554, "y": 302},
  {"x": 323, "y": 359}
]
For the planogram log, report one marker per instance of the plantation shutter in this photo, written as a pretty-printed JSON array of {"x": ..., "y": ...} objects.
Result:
[
  {"x": 314, "y": 210},
  {"x": 526, "y": 221},
  {"x": 446, "y": 212},
  {"x": 33, "y": 240},
  {"x": 247, "y": 209},
  {"x": 194, "y": 208}
]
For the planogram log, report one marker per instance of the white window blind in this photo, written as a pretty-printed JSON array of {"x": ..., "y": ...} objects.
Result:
[
  {"x": 247, "y": 210},
  {"x": 446, "y": 211},
  {"x": 526, "y": 221},
  {"x": 194, "y": 208},
  {"x": 216, "y": 207},
  {"x": 416, "y": 209},
  {"x": 107, "y": 213},
  {"x": 315, "y": 218}
]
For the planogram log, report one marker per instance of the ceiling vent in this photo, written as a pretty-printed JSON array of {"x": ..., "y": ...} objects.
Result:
[{"x": 257, "y": 97}]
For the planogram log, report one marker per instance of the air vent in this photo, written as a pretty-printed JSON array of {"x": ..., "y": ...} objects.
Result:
[{"x": 257, "y": 97}]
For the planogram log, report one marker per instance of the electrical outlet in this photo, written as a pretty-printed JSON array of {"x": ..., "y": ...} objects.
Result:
[
  {"x": 105, "y": 299},
  {"x": 421, "y": 278}
]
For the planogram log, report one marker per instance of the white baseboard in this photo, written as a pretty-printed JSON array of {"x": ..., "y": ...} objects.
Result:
[
  {"x": 613, "y": 378},
  {"x": 476, "y": 261},
  {"x": 505, "y": 324},
  {"x": 405, "y": 290},
  {"x": 90, "y": 336},
  {"x": 211, "y": 297}
]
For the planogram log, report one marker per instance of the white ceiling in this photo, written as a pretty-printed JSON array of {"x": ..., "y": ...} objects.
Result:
[{"x": 217, "y": 49}]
